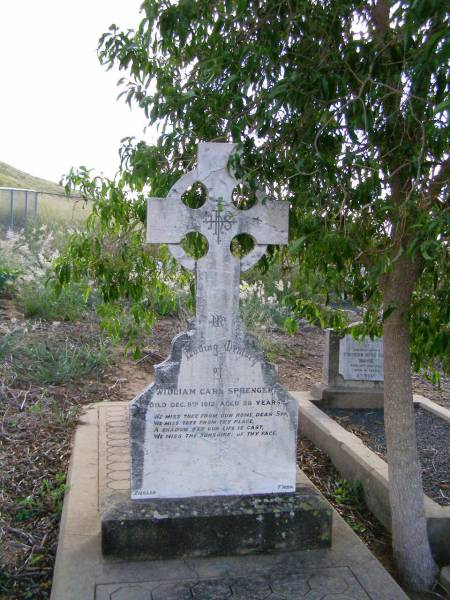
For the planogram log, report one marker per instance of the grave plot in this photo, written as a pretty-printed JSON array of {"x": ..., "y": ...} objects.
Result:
[{"x": 433, "y": 442}]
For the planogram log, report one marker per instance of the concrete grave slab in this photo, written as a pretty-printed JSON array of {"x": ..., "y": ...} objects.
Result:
[{"x": 346, "y": 571}]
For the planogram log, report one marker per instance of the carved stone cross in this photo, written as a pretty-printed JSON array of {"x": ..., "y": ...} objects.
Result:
[{"x": 219, "y": 220}]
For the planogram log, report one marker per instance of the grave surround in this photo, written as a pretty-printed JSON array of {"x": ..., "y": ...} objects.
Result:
[
  {"x": 81, "y": 572},
  {"x": 213, "y": 439}
]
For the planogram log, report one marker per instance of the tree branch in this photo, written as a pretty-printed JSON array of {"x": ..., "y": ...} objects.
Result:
[{"x": 437, "y": 184}]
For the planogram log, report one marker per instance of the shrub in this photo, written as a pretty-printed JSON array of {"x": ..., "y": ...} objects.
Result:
[
  {"x": 8, "y": 276},
  {"x": 258, "y": 307}
]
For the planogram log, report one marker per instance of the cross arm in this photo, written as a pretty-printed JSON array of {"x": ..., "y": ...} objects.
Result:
[
  {"x": 266, "y": 222},
  {"x": 168, "y": 221}
]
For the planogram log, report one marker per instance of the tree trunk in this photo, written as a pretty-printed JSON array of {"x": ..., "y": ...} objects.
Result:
[{"x": 409, "y": 527}]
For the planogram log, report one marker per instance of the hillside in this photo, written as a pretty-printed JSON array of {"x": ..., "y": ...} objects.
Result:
[{"x": 11, "y": 177}]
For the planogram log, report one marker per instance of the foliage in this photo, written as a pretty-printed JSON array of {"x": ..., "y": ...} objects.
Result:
[
  {"x": 31, "y": 250},
  {"x": 111, "y": 251},
  {"x": 42, "y": 302},
  {"x": 262, "y": 304},
  {"x": 7, "y": 276},
  {"x": 349, "y": 494},
  {"x": 341, "y": 106}
]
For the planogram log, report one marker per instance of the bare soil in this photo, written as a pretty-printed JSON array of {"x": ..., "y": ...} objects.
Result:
[{"x": 35, "y": 442}]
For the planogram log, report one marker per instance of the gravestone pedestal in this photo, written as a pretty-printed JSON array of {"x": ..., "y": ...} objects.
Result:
[
  {"x": 215, "y": 526},
  {"x": 352, "y": 373}
]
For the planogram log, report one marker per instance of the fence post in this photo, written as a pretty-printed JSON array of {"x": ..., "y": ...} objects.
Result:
[
  {"x": 35, "y": 204},
  {"x": 25, "y": 212},
  {"x": 11, "y": 209}
]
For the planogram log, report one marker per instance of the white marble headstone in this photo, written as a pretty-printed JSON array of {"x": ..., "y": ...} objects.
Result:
[{"x": 215, "y": 422}]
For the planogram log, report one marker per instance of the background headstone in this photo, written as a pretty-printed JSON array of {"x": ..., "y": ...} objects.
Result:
[
  {"x": 361, "y": 360},
  {"x": 352, "y": 373}
]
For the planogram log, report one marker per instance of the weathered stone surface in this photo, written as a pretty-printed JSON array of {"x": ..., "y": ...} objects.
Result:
[
  {"x": 320, "y": 584},
  {"x": 215, "y": 422},
  {"x": 79, "y": 547},
  {"x": 215, "y": 526}
]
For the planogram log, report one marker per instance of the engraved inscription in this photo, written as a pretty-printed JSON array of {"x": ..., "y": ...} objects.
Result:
[
  {"x": 219, "y": 220},
  {"x": 361, "y": 361},
  {"x": 216, "y": 320}
]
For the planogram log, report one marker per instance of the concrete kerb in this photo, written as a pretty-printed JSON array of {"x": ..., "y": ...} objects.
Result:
[
  {"x": 432, "y": 407},
  {"x": 356, "y": 462}
]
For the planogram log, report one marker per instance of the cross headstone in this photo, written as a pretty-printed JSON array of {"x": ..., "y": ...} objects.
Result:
[{"x": 215, "y": 422}]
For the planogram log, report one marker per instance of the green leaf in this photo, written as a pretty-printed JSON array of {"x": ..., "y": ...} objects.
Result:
[{"x": 290, "y": 325}]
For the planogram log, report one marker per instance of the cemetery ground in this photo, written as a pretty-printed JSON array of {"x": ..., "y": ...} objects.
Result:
[{"x": 52, "y": 369}]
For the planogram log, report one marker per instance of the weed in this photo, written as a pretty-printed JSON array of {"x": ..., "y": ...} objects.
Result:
[
  {"x": 273, "y": 349},
  {"x": 36, "y": 408},
  {"x": 59, "y": 416},
  {"x": 50, "y": 495},
  {"x": 44, "y": 362},
  {"x": 8, "y": 276},
  {"x": 358, "y": 527},
  {"x": 349, "y": 494},
  {"x": 47, "y": 499}
]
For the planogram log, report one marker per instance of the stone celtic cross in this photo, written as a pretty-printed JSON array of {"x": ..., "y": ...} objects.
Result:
[
  {"x": 215, "y": 421},
  {"x": 219, "y": 220}
]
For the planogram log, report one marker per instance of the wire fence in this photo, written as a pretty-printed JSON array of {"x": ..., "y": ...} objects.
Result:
[{"x": 19, "y": 207}]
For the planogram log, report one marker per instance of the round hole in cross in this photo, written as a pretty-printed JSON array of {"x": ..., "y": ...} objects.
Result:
[
  {"x": 194, "y": 244},
  {"x": 241, "y": 244},
  {"x": 195, "y": 196},
  {"x": 243, "y": 197}
]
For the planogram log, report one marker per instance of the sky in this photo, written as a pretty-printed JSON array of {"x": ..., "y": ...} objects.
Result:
[{"x": 58, "y": 105}]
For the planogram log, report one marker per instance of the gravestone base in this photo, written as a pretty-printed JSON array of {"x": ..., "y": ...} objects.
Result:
[
  {"x": 215, "y": 525},
  {"x": 348, "y": 397}
]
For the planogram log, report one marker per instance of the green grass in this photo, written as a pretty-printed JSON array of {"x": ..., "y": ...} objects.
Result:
[
  {"x": 47, "y": 499},
  {"x": 60, "y": 209},
  {"x": 50, "y": 210},
  {"x": 35, "y": 360},
  {"x": 273, "y": 349}
]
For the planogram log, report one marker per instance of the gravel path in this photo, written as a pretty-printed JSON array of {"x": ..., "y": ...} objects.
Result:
[{"x": 433, "y": 441}]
